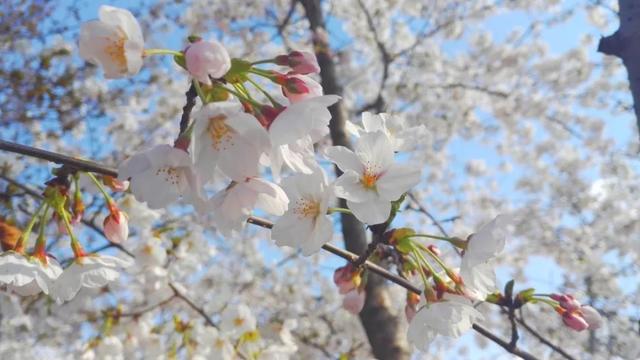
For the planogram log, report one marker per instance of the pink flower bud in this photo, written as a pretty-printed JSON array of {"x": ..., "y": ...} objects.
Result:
[
  {"x": 353, "y": 301},
  {"x": 300, "y": 62},
  {"x": 116, "y": 226},
  {"x": 591, "y": 316},
  {"x": 434, "y": 249},
  {"x": 207, "y": 58},
  {"x": 567, "y": 302},
  {"x": 574, "y": 321},
  {"x": 346, "y": 279},
  {"x": 313, "y": 89}
]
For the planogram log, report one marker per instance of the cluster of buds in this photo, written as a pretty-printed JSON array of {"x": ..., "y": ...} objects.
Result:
[
  {"x": 350, "y": 283},
  {"x": 575, "y": 315}
]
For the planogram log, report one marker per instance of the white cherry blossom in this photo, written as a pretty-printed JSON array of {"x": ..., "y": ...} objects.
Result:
[
  {"x": 486, "y": 243},
  {"x": 301, "y": 118},
  {"x": 28, "y": 276},
  {"x": 237, "y": 319},
  {"x": 305, "y": 225},
  {"x": 160, "y": 175},
  {"x": 225, "y": 136},
  {"x": 205, "y": 59},
  {"x": 402, "y": 137},
  {"x": 114, "y": 42},
  {"x": 231, "y": 207},
  {"x": 371, "y": 179},
  {"x": 450, "y": 317},
  {"x": 90, "y": 271}
]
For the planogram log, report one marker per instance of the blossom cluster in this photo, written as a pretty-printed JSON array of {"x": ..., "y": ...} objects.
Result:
[{"x": 248, "y": 149}]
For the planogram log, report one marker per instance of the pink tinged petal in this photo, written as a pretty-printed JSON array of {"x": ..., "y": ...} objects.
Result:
[
  {"x": 207, "y": 58},
  {"x": 116, "y": 227},
  {"x": 345, "y": 159},
  {"x": 591, "y": 316},
  {"x": 353, "y": 301},
  {"x": 375, "y": 151},
  {"x": 397, "y": 180},
  {"x": 313, "y": 87},
  {"x": 574, "y": 321},
  {"x": 371, "y": 212}
]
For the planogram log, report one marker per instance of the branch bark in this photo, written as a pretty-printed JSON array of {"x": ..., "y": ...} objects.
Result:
[{"x": 624, "y": 44}]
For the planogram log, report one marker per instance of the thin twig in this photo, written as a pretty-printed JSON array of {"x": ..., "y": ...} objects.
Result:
[
  {"x": 191, "y": 96},
  {"x": 192, "y": 305},
  {"x": 542, "y": 339}
]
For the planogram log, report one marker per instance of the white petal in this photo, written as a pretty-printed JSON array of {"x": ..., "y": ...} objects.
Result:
[
  {"x": 348, "y": 186},
  {"x": 271, "y": 198},
  {"x": 345, "y": 159},
  {"x": 375, "y": 150},
  {"x": 397, "y": 180},
  {"x": 371, "y": 212},
  {"x": 122, "y": 19}
]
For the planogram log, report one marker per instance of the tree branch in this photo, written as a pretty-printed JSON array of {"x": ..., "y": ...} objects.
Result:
[{"x": 85, "y": 165}]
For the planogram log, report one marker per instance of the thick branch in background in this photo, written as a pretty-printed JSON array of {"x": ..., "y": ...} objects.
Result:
[
  {"x": 380, "y": 323},
  {"x": 624, "y": 44}
]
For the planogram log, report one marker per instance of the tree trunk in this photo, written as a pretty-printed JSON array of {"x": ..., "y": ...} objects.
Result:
[
  {"x": 624, "y": 43},
  {"x": 382, "y": 326}
]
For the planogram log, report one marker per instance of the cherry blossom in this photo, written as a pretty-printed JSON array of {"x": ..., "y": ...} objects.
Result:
[
  {"x": 114, "y": 42},
  {"x": 301, "y": 62},
  {"x": 231, "y": 207},
  {"x": 450, "y": 317},
  {"x": 225, "y": 136},
  {"x": 371, "y": 179},
  {"x": 116, "y": 226},
  {"x": 160, "y": 175},
  {"x": 312, "y": 89},
  {"x": 353, "y": 301},
  {"x": 305, "y": 225},
  {"x": 402, "y": 137},
  {"x": 486, "y": 243},
  {"x": 236, "y": 320},
  {"x": 207, "y": 59},
  {"x": 300, "y": 119},
  {"x": 28, "y": 276},
  {"x": 90, "y": 271}
]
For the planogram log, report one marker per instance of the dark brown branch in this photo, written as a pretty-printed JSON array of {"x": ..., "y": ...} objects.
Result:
[
  {"x": 505, "y": 345},
  {"x": 191, "y": 95},
  {"x": 542, "y": 339},
  {"x": 71, "y": 162},
  {"x": 623, "y": 44}
]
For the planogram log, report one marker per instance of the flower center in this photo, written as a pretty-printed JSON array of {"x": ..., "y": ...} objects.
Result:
[
  {"x": 115, "y": 50},
  {"x": 218, "y": 131},
  {"x": 369, "y": 179},
  {"x": 307, "y": 208},
  {"x": 169, "y": 174},
  {"x": 238, "y": 322}
]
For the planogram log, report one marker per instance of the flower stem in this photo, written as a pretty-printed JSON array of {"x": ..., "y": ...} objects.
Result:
[
  {"x": 332, "y": 210},
  {"x": 27, "y": 231},
  {"x": 149, "y": 52},
  {"x": 453, "y": 241},
  {"x": 40, "y": 248},
  {"x": 264, "y": 92},
  {"x": 241, "y": 96},
  {"x": 265, "y": 61},
  {"x": 75, "y": 244},
  {"x": 199, "y": 91},
  {"x": 107, "y": 198}
]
